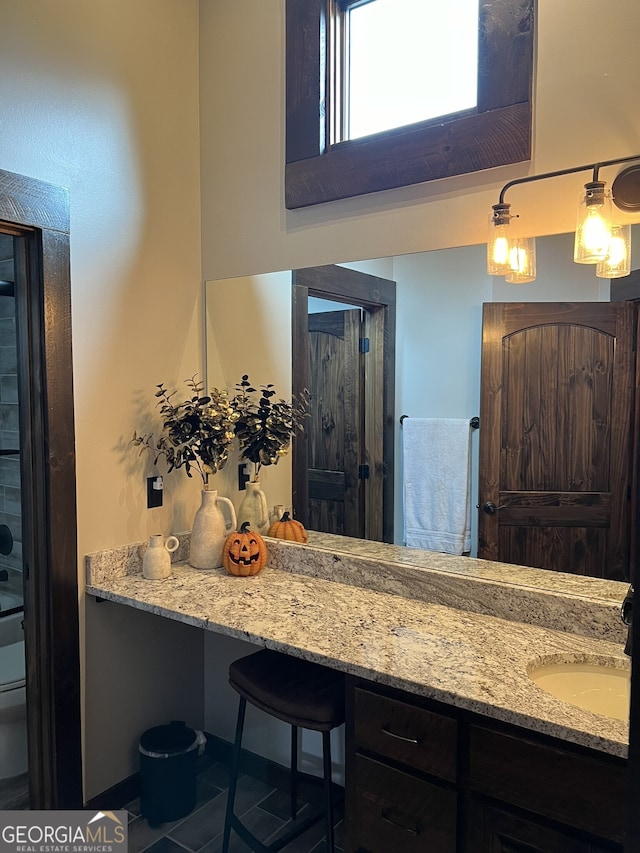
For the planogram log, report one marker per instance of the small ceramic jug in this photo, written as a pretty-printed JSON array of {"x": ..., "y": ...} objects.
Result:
[
  {"x": 276, "y": 514},
  {"x": 156, "y": 563}
]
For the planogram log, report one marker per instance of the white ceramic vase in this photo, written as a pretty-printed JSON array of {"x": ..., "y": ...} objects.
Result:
[
  {"x": 209, "y": 531},
  {"x": 156, "y": 562},
  {"x": 254, "y": 510}
]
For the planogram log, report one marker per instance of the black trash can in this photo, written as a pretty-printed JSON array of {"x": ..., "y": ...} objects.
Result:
[{"x": 168, "y": 772}]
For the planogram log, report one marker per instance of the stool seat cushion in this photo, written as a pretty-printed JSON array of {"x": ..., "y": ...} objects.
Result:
[{"x": 297, "y": 691}]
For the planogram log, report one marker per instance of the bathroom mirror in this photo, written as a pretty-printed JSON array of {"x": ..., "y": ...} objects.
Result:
[{"x": 439, "y": 298}]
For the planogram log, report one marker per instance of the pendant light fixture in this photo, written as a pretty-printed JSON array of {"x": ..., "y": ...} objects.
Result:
[
  {"x": 618, "y": 261},
  {"x": 523, "y": 261},
  {"x": 597, "y": 240},
  {"x": 593, "y": 229},
  {"x": 498, "y": 245}
]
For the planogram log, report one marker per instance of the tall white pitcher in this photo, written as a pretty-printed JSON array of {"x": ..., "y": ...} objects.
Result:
[
  {"x": 210, "y": 530},
  {"x": 254, "y": 510}
]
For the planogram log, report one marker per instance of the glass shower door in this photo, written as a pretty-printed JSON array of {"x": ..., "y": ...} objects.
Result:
[
  {"x": 14, "y": 784},
  {"x": 11, "y": 586}
]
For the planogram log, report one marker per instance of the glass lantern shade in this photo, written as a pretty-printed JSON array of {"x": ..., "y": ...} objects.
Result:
[
  {"x": 522, "y": 258},
  {"x": 498, "y": 241},
  {"x": 593, "y": 229},
  {"x": 618, "y": 261}
]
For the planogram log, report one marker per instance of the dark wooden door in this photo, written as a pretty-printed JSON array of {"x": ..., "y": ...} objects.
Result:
[
  {"x": 374, "y": 426},
  {"x": 335, "y": 424},
  {"x": 557, "y": 402}
]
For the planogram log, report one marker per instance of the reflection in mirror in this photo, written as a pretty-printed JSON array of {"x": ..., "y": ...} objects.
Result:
[
  {"x": 343, "y": 463},
  {"x": 438, "y": 342}
]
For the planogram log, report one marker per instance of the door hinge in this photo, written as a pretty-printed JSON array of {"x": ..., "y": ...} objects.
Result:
[
  {"x": 363, "y": 472},
  {"x": 363, "y": 345}
]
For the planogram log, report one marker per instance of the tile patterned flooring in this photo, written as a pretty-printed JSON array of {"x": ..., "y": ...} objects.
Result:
[
  {"x": 263, "y": 808},
  {"x": 14, "y": 793}
]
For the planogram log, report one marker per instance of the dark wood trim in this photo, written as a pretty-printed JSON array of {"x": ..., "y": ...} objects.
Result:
[
  {"x": 27, "y": 201},
  {"x": 412, "y": 155},
  {"x": 299, "y": 381},
  {"x": 497, "y": 133},
  {"x": 354, "y": 288},
  {"x": 40, "y": 212},
  {"x": 306, "y": 52},
  {"x": 379, "y": 297},
  {"x": 117, "y": 796},
  {"x": 626, "y": 289},
  {"x": 632, "y": 842},
  {"x": 631, "y": 290}
]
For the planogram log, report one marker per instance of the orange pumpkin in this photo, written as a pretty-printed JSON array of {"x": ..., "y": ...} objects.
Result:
[
  {"x": 288, "y": 528},
  {"x": 244, "y": 552}
]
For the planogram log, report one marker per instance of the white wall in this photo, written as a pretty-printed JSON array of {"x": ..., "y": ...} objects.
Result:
[
  {"x": 248, "y": 331},
  {"x": 102, "y": 98},
  {"x": 586, "y": 62},
  {"x": 558, "y": 278}
]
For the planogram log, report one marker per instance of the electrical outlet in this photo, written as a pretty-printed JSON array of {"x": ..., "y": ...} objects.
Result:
[
  {"x": 243, "y": 476},
  {"x": 154, "y": 492}
]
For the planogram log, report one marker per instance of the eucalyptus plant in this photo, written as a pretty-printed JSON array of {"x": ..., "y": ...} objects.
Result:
[
  {"x": 196, "y": 433},
  {"x": 264, "y": 426}
]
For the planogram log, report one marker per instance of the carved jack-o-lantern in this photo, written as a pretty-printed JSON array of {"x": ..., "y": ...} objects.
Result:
[{"x": 244, "y": 552}]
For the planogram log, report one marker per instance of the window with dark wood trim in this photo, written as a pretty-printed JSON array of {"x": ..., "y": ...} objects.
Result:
[{"x": 496, "y": 133}]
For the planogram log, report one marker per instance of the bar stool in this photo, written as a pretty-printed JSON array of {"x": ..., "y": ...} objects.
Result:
[{"x": 303, "y": 694}]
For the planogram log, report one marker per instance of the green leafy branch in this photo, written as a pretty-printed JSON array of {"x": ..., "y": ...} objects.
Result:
[
  {"x": 197, "y": 433},
  {"x": 264, "y": 426}
]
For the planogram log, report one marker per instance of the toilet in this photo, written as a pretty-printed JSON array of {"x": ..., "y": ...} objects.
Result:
[{"x": 13, "y": 708}]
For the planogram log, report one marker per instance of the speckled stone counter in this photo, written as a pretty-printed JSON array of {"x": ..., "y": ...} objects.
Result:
[
  {"x": 579, "y": 605},
  {"x": 404, "y": 627}
]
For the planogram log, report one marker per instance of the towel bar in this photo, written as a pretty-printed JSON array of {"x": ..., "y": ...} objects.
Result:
[{"x": 474, "y": 423}]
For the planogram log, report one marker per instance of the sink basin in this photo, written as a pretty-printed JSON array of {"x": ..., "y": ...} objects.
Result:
[{"x": 602, "y": 686}]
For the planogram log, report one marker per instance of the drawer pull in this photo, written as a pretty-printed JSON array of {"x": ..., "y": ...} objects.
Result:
[
  {"x": 399, "y": 737},
  {"x": 408, "y": 829}
]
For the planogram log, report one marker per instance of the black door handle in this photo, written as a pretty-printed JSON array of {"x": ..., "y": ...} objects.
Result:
[{"x": 490, "y": 508}]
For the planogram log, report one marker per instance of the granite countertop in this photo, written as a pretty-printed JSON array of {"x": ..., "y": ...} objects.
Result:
[{"x": 471, "y": 660}]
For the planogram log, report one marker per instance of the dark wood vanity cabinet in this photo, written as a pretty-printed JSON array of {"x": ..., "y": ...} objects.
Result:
[
  {"x": 426, "y": 777},
  {"x": 493, "y": 830},
  {"x": 401, "y": 764}
]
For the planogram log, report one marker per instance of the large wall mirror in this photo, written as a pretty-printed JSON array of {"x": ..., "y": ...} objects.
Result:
[{"x": 438, "y": 340}]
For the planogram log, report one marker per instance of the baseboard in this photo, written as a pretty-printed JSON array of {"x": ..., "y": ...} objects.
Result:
[
  {"x": 217, "y": 749},
  {"x": 117, "y": 796}
]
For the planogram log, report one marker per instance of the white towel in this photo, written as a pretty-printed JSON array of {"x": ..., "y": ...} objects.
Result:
[{"x": 437, "y": 470}]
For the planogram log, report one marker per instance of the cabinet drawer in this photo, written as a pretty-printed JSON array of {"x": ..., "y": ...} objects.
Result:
[
  {"x": 396, "y": 811},
  {"x": 578, "y": 790},
  {"x": 491, "y": 830},
  {"x": 405, "y": 733}
]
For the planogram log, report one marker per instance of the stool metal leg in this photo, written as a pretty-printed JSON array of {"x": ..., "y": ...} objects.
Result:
[
  {"x": 294, "y": 772},
  {"x": 233, "y": 780},
  {"x": 326, "y": 756},
  {"x": 232, "y": 822}
]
